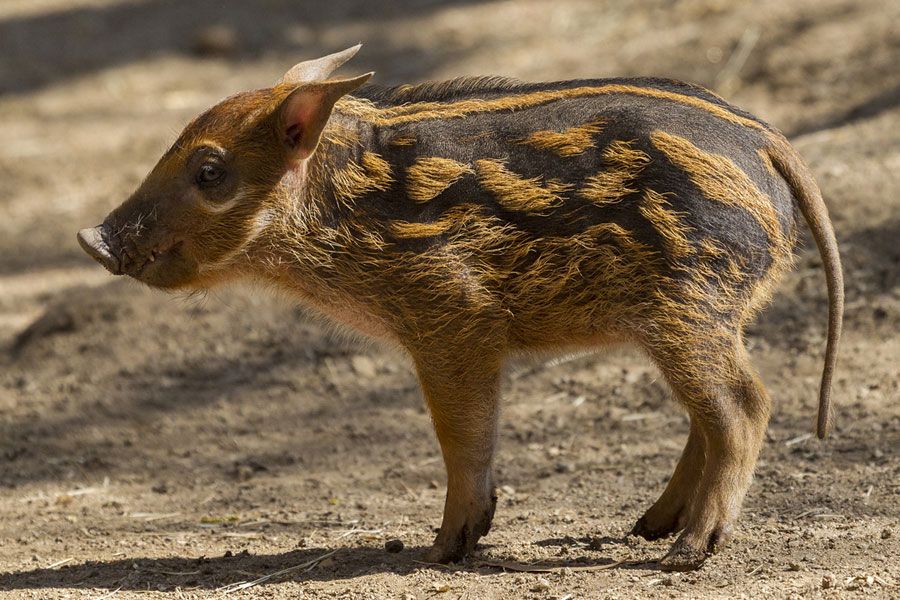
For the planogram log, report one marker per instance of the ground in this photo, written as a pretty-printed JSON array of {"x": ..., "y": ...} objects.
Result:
[{"x": 159, "y": 446}]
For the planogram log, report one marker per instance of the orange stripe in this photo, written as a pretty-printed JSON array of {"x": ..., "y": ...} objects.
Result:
[{"x": 420, "y": 111}]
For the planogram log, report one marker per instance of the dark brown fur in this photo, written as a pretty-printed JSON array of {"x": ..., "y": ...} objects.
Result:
[{"x": 469, "y": 220}]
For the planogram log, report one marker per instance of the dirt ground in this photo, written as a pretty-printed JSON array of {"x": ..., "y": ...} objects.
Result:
[{"x": 159, "y": 446}]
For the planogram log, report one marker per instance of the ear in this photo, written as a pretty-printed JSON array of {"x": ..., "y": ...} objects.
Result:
[
  {"x": 305, "y": 112},
  {"x": 318, "y": 69}
]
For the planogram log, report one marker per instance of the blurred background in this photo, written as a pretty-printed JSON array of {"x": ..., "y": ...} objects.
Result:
[{"x": 140, "y": 431}]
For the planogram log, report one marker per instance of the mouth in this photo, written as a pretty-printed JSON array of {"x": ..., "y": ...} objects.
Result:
[{"x": 160, "y": 253}]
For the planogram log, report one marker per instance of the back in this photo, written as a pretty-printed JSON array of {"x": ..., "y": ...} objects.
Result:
[{"x": 512, "y": 173}]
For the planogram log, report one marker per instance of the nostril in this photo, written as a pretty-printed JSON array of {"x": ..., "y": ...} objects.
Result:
[{"x": 92, "y": 242}]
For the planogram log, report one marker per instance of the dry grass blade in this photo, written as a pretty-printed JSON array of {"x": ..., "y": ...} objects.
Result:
[
  {"x": 175, "y": 573},
  {"x": 797, "y": 440},
  {"x": 148, "y": 516},
  {"x": 59, "y": 563},
  {"x": 534, "y": 568},
  {"x": 727, "y": 78},
  {"x": 509, "y": 565},
  {"x": 243, "y": 585},
  {"x": 356, "y": 531},
  {"x": 108, "y": 594},
  {"x": 244, "y": 536}
]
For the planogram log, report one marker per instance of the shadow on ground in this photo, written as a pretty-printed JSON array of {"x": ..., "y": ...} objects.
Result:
[
  {"x": 40, "y": 50},
  {"x": 213, "y": 573}
]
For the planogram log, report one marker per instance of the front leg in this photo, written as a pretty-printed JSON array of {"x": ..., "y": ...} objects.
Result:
[{"x": 462, "y": 395}]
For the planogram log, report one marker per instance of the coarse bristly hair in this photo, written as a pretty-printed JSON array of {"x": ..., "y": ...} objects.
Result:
[{"x": 469, "y": 220}]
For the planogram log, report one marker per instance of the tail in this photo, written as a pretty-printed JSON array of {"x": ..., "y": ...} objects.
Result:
[{"x": 809, "y": 198}]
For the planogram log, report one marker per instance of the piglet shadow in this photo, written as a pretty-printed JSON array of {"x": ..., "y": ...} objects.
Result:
[
  {"x": 308, "y": 564},
  {"x": 160, "y": 574},
  {"x": 580, "y": 554}
]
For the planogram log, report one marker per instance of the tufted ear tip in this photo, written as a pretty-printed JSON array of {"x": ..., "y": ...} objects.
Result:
[{"x": 318, "y": 69}]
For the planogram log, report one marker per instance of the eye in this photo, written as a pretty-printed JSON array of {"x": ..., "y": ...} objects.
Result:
[{"x": 210, "y": 174}]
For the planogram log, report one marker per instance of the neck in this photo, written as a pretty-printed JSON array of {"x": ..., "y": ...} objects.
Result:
[
  {"x": 306, "y": 226},
  {"x": 319, "y": 244}
]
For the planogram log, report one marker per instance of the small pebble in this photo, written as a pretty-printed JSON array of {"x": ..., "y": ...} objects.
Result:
[
  {"x": 542, "y": 585},
  {"x": 827, "y": 581},
  {"x": 886, "y": 533},
  {"x": 393, "y": 546}
]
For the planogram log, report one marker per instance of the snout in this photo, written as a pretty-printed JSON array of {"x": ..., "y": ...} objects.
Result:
[{"x": 93, "y": 242}]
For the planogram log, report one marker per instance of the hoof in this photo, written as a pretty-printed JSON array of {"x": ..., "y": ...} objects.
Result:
[
  {"x": 685, "y": 556},
  {"x": 682, "y": 558},
  {"x": 455, "y": 546},
  {"x": 643, "y": 529},
  {"x": 441, "y": 554}
]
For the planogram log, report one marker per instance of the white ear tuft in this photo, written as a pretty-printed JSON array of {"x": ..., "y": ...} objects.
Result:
[{"x": 318, "y": 69}]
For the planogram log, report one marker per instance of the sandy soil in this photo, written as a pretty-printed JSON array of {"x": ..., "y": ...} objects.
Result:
[{"x": 156, "y": 446}]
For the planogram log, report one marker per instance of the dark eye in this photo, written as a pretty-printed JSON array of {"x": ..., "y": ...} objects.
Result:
[{"x": 210, "y": 174}]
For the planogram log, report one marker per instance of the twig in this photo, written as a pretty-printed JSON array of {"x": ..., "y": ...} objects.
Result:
[
  {"x": 810, "y": 511},
  {"x": 868, "y": 494},
  {"x": 532, "y": 568},
  {"x": 355, "y": 531},
  {"x": 72, "y": 493},
  {"x": 797, "y": 440},
  {"x": 755, "y": 570},
  {"x": 430, "y": 564},
  {"x": 161, "y": 572},
  {"x": 108, "y": 594},
  {"x": 147, "y": 517},
  {"x": 726, "y": 77},
  {"x": 243, "y": 585},
  {"x": 252, "y": 523},
  {"x": 640, "y": 416},
  {"x": 59, "y": 563}
]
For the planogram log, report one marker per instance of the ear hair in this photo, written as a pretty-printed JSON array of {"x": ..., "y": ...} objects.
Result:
[
  {"x": 318, "y": 69},
  {"x": 305, "y": 111}
]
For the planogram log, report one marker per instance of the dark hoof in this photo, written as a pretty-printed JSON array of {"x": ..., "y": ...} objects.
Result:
[
  {"x": 682, "y": 558},
  {"x": 441, "y": 554},
  {"x": 455, "y": 547},
  {"x": 644, "y": 530}
]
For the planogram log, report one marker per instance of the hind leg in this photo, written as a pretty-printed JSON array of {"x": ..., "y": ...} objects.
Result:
[
  {"x": 669, "y": 513},
  {"x": 730, "y": 409}
]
